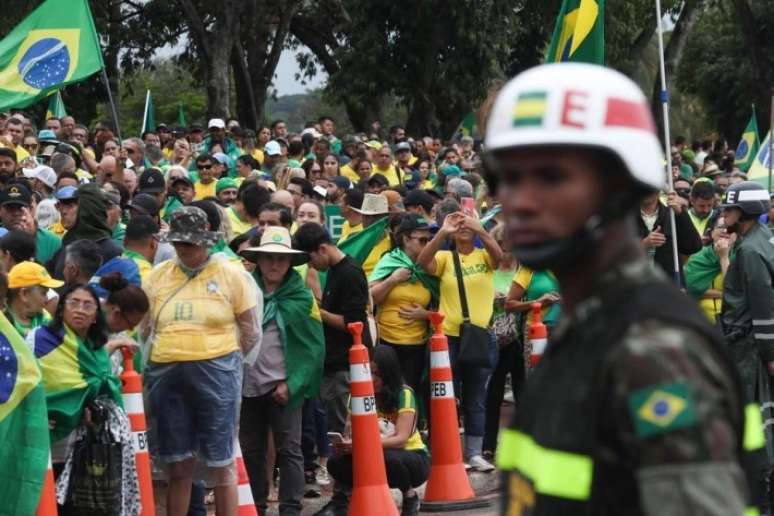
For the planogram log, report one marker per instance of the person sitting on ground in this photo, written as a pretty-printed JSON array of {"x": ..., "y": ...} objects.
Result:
[{"x": 406, "y": 460}]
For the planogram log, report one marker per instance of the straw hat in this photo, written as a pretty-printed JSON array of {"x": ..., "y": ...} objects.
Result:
[
  {"x": 275, "y": 240},
  {"x": 373, "y": 204}
]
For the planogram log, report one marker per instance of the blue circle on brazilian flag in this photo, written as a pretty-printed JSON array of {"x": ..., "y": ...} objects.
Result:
[
  {"x": 45, "y": 63},
  {"x": 9, "y": 369},
  {"x": 741, "y": 151}
]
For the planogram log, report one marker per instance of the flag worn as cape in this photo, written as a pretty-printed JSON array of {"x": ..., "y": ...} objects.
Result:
[
  {"x": 397, "y": 259},
  {"x": 293, "y": 308},
  {"x": 24, "y": 443},
  {"x": 74, "y": 373},
  {"x": 579, "y": 34},
  {"x": 360, "y": 245},
  {"x": 148, "y": 121},
  {"x": 55, "y": 45},
  {"x": 748, "y": 146},
  {"x": 56, "y": 107},
  {"x": 701, "y": 269}
]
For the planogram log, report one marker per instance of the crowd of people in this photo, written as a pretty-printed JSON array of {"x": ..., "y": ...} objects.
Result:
[{"x": 223, "y": 257}]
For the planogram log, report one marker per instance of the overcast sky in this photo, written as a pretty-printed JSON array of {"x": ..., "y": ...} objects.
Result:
[{"x": 285, "y": 76}]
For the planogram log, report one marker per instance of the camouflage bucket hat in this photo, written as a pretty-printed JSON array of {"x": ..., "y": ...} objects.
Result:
[{"x": 188, "y": 224}]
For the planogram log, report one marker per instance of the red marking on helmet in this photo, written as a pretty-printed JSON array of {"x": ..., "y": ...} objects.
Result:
[
  {"x": 627, "y": 113},
  {"x": 574, "y": 109}
]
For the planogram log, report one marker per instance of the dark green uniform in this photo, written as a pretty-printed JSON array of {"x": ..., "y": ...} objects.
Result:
[
  {"x": 633, "y": 410},
  {"x": 748, "y": 308}
]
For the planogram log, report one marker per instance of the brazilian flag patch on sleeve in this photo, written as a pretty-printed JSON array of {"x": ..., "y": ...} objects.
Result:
[{"x": 661, "y": 408}]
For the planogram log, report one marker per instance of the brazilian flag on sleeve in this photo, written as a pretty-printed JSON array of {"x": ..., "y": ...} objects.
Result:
[
  {"x": 748, "y": 145},
  {"x": 74, "y": 373},
  {"x": 579, "y": 34},
  {"x": 24, "y": 444},
  {"x": 54, "y": 46}
]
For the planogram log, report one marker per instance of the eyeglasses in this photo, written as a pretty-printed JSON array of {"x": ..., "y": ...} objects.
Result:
[
  {"x": 87, "y": 306},
  {"x": 204, "y": 167},
  {"x": 30, "y": 145}
]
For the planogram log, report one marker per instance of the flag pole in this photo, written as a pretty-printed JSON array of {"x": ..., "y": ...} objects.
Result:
[
  {"x": 112, "y": 105},
  {"x": 145, "y": 112},
  {"x": 771, "y": 137},
  {"x": 667, "y": 142}
]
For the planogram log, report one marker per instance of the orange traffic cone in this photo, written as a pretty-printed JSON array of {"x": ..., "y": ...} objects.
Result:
[
  {"x": 246, "y": 502},
  {"x": 537, "y": 335},
  {"x": 47, "y": 503},
  {"x": 131, "y": 384},
  {"x": 370, "y": 493},
  {"x": 448, "y": 480}
]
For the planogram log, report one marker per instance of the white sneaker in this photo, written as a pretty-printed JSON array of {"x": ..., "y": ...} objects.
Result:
[
  {"x": 479, "y": 463},
  {"x": 322, "y": 477}
]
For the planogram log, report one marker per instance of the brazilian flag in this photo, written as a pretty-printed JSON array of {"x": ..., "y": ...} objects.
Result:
[
  {"x": 180, "y": 115},
  {"x": 148, "y": 120},
  {"x": 56, "y": 107},
  {"x": 54, "y": 46},
  {"x": 24, "y": 440},
  {"x": 748, "y": 145},
  {"x": 579, "y": 35}
]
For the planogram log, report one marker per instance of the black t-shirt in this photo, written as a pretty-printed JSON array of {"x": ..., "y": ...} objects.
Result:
[{"x": 346, "y": 294}]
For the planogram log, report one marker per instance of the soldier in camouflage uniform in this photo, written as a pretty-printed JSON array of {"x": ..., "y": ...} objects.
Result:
[
  {"x": 747, "y": 316},
  {"x": 634, "y": 409}
]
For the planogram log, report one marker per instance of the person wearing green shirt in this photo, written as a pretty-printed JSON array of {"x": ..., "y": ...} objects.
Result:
[
  {"x": 28, "y": 284},
  {"x": 15, "y": 213}
]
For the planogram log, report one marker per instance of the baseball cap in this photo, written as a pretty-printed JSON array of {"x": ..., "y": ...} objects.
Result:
[
  {"x": 403, "y": 146},
  {"x": 145, "y": 204},
  {"x": 419, "y": 198},
  {"x": 223, "y": 159},
  {"x": 225, "y": 183},
  {"x": 42, "y": 173},
  {"x": 31, "y": 274},
  {"x": 196, "y": 128},
  {"x": 183, "y": 180},
  {"x": 66, "y": 193},
  {"x": 7, "y": 151},
  {"x": 217, "y": 123},
  {"x": 272, "y": 148},
  {"x": 412, "y": 222},
  {"x": 152, "y": 181},
  {"x": 126, "y": 267},
  {"x": 46, "y": 134},
  {"x": 378, "y": 180},
  {"x": 342, "y": 182},
  {"x": 16, "y": 194}
]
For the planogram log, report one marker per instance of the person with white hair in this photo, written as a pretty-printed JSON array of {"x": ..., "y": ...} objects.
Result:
[
  {"x": 458, "y": 188},
  {"x": 46, "y": 213}
]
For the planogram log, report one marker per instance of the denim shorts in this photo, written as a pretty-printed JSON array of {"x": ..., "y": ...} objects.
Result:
[{"x": 196, "y": 408}]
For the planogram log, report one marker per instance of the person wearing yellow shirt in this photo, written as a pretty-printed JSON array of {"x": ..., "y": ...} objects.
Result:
[
  {"x": 206, "y": 184},
  {"x": 534, "y": 287},
  {"x": 385, "y": 167},
  {"x": 14, "y": 128},
  {"x": 141, "y": 242},
  {"x": 402, "y": 292},
  {"x": 477, "y": 268},
  {"x": 204, "y": 327}
]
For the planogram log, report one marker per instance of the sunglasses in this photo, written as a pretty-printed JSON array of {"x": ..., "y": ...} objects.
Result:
[
  {"x": 422, "y": 240},
  {"x": 204, "y": 167},
  {"x": 30, "y": 145}
]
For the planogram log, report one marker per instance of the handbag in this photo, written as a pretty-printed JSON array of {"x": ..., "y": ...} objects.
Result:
[{"x": 474, "y": 340}]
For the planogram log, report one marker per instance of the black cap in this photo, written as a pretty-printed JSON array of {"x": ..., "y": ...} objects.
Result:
[
  {"x": 161, "y": 126},
  {"x": 342, "y": 182},
  {"x": 412, "y": 222},
  {"x": 9, "y": 152},
  {"x": 152, "y": 181},
  {"x": 145, "y": 204},
  {"x": 181, "y": 180},
  {"x": 196, "y": 128},
  {"x": 16, "y": 193},
  {"x": 378, "y": 179},
  {"x": 419, "y": 198}
]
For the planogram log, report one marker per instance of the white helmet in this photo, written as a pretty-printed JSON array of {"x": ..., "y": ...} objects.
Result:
[{"x": 579, "y": 104}]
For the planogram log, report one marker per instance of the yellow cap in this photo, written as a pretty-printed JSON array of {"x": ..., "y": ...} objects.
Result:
[{"x": 30, "y": 274}]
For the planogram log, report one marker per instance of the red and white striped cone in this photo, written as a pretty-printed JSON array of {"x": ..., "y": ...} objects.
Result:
[
  {"x": 131, "y": 386},
  {"x": 246, "y": 502},
  {"x": 47, "y": 503},
  {"x": 537, "y": 333}
]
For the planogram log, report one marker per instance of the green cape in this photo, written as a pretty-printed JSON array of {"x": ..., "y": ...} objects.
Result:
[
  {"x": 295, "y": 312},
  {"x": 397, "y": 259}
]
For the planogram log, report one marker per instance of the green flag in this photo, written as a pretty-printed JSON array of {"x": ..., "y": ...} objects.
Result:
[
  {"x": 24, "y": 440},
  {"x": 54, "y": 46},
  {"x": 56, "y": 107},
  {"x": 180, "y": 115},
  {"x": 148, "y": 122},
  {"x": 579, "y": 34},
  {"x": 748, "y": 145},
  {"x": 360, "y": 245}
]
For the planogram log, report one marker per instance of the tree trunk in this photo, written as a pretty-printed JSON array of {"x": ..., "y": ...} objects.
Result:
[
  {"x": 246, "y": 111},
  {"x": 111, "y": 55},
  {"x": 673, "y": 52}
]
